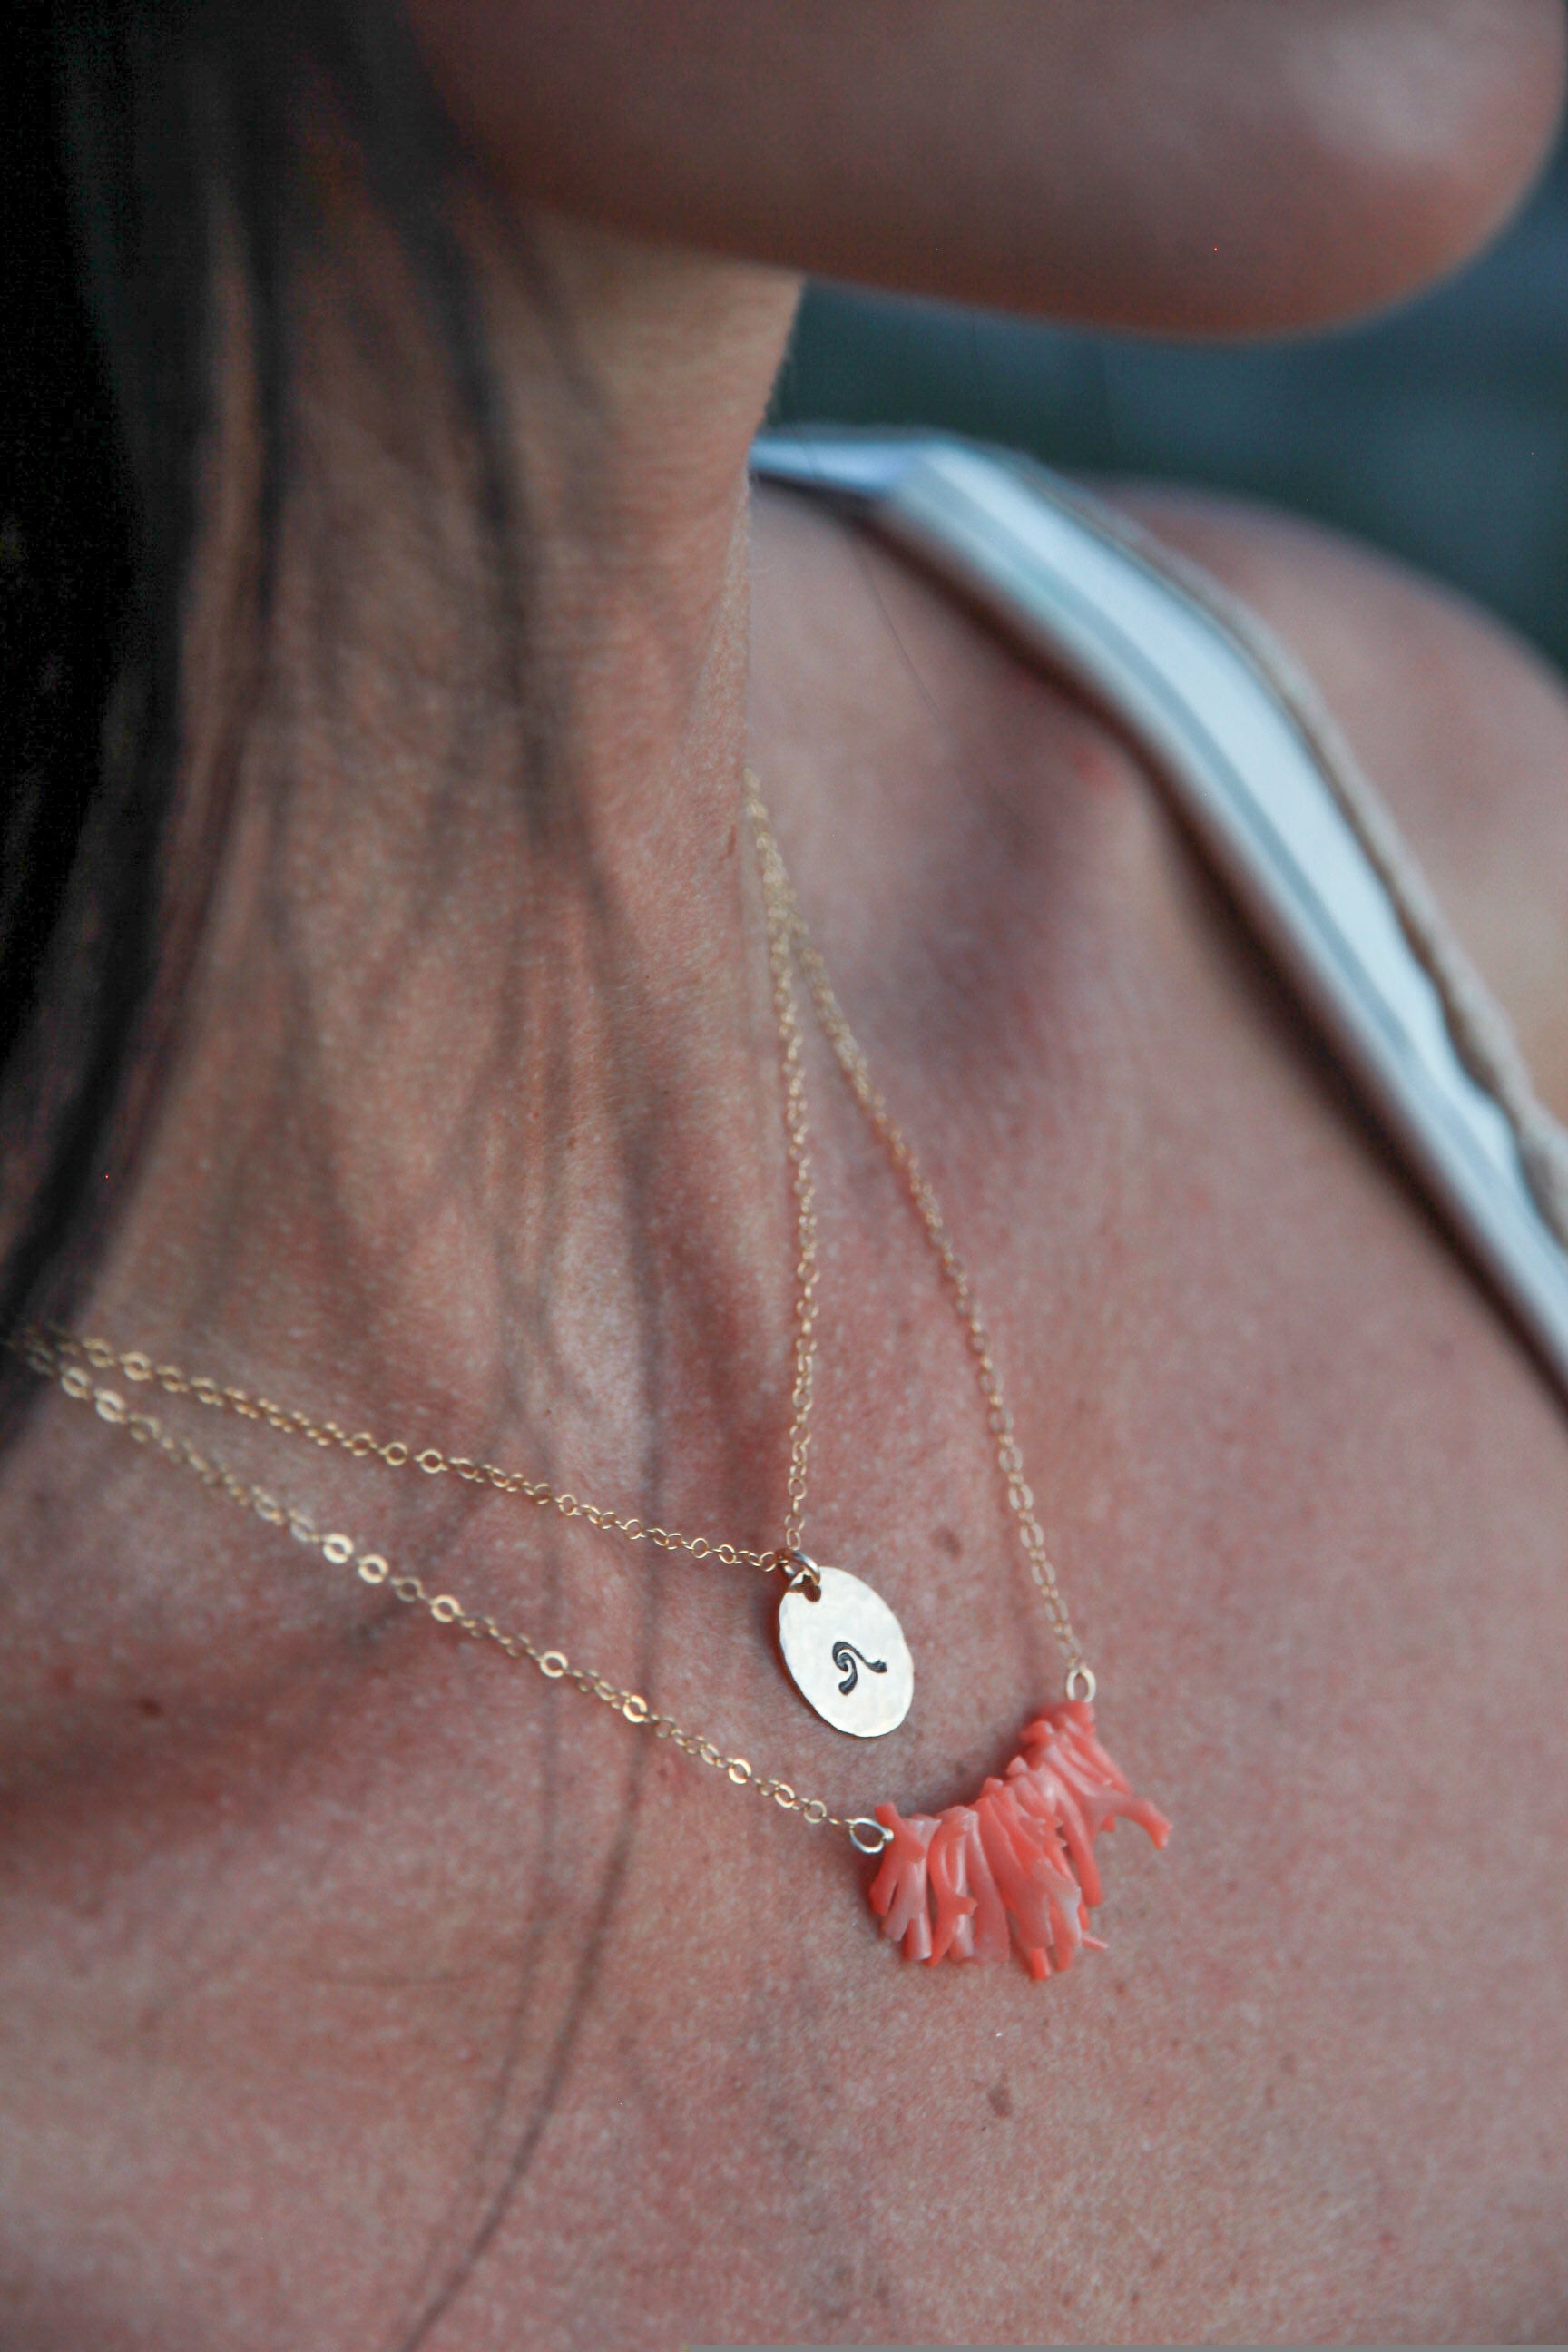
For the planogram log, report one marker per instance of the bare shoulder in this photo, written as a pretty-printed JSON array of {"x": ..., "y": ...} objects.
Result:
[
  {"x": 1461, "y": 724},
  {"x": 1463, "y": 727}
]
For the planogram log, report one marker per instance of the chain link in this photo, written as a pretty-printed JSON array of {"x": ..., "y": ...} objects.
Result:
[
  {"x": 777, "y": 905},
  {"x": 135, "y": 1364},
  {"x": 785, "y": 917},
  {"x": 397, "y": 1454},
  {"x": 72, "y": 1361},
  {"x": 61, "y": 1361}
]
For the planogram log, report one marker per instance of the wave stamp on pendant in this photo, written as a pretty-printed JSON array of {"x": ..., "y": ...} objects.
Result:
[{"x": 846, "y": 1654}]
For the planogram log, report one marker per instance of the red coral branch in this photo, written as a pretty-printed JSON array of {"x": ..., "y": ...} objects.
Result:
[{"x": 1019, "y": 1863}]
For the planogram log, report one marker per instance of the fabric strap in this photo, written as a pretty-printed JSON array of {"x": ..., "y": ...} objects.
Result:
[{"x": 1253, "y": 758}]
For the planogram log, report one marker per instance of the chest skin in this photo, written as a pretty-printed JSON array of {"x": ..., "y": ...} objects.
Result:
[{"x": 479, "y": 2023}]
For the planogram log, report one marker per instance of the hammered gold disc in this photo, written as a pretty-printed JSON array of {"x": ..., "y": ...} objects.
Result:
[{"x": 846, "y": 1654}]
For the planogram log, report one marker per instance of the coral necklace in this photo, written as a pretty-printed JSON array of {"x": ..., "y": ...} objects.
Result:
[{"x": 1015, "y": 1866}]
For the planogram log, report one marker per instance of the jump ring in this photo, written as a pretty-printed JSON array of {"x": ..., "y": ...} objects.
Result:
[{"x": 804, "y": 1575}]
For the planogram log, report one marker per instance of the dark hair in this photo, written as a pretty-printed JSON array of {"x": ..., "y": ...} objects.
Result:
[
  {"x": 132, "y": 129},
  {"x": 136, "y": 131}
]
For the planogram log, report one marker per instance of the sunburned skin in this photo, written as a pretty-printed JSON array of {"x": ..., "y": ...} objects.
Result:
[{"x": 358, "y": 1989}]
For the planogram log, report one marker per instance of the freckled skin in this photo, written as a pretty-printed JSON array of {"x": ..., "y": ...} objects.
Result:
[{"x": 356, "y": 1990}]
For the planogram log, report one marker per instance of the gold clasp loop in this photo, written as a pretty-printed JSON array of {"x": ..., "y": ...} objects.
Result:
[
  {"x": 1081, "y": 1683},
  {"x": 804, "y": 1575},
  {"x": 867, "y": 1836}
]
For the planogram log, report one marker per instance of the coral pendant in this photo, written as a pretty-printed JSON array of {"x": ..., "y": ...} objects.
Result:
[{"x": 1019, "y": 1862}]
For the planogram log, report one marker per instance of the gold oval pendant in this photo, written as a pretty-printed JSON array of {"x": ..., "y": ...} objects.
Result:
[{"x": 847, "y": 1655}]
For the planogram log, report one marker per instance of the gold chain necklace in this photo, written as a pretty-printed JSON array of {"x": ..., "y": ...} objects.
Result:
[{"x": 1017, "y": 1864}]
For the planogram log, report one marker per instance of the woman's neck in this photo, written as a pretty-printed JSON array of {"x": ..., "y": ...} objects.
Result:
[{"x": 479, "y": 1037}]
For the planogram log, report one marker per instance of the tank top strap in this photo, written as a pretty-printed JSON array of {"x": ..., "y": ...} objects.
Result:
[{"x": 1248, "y": 751}]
